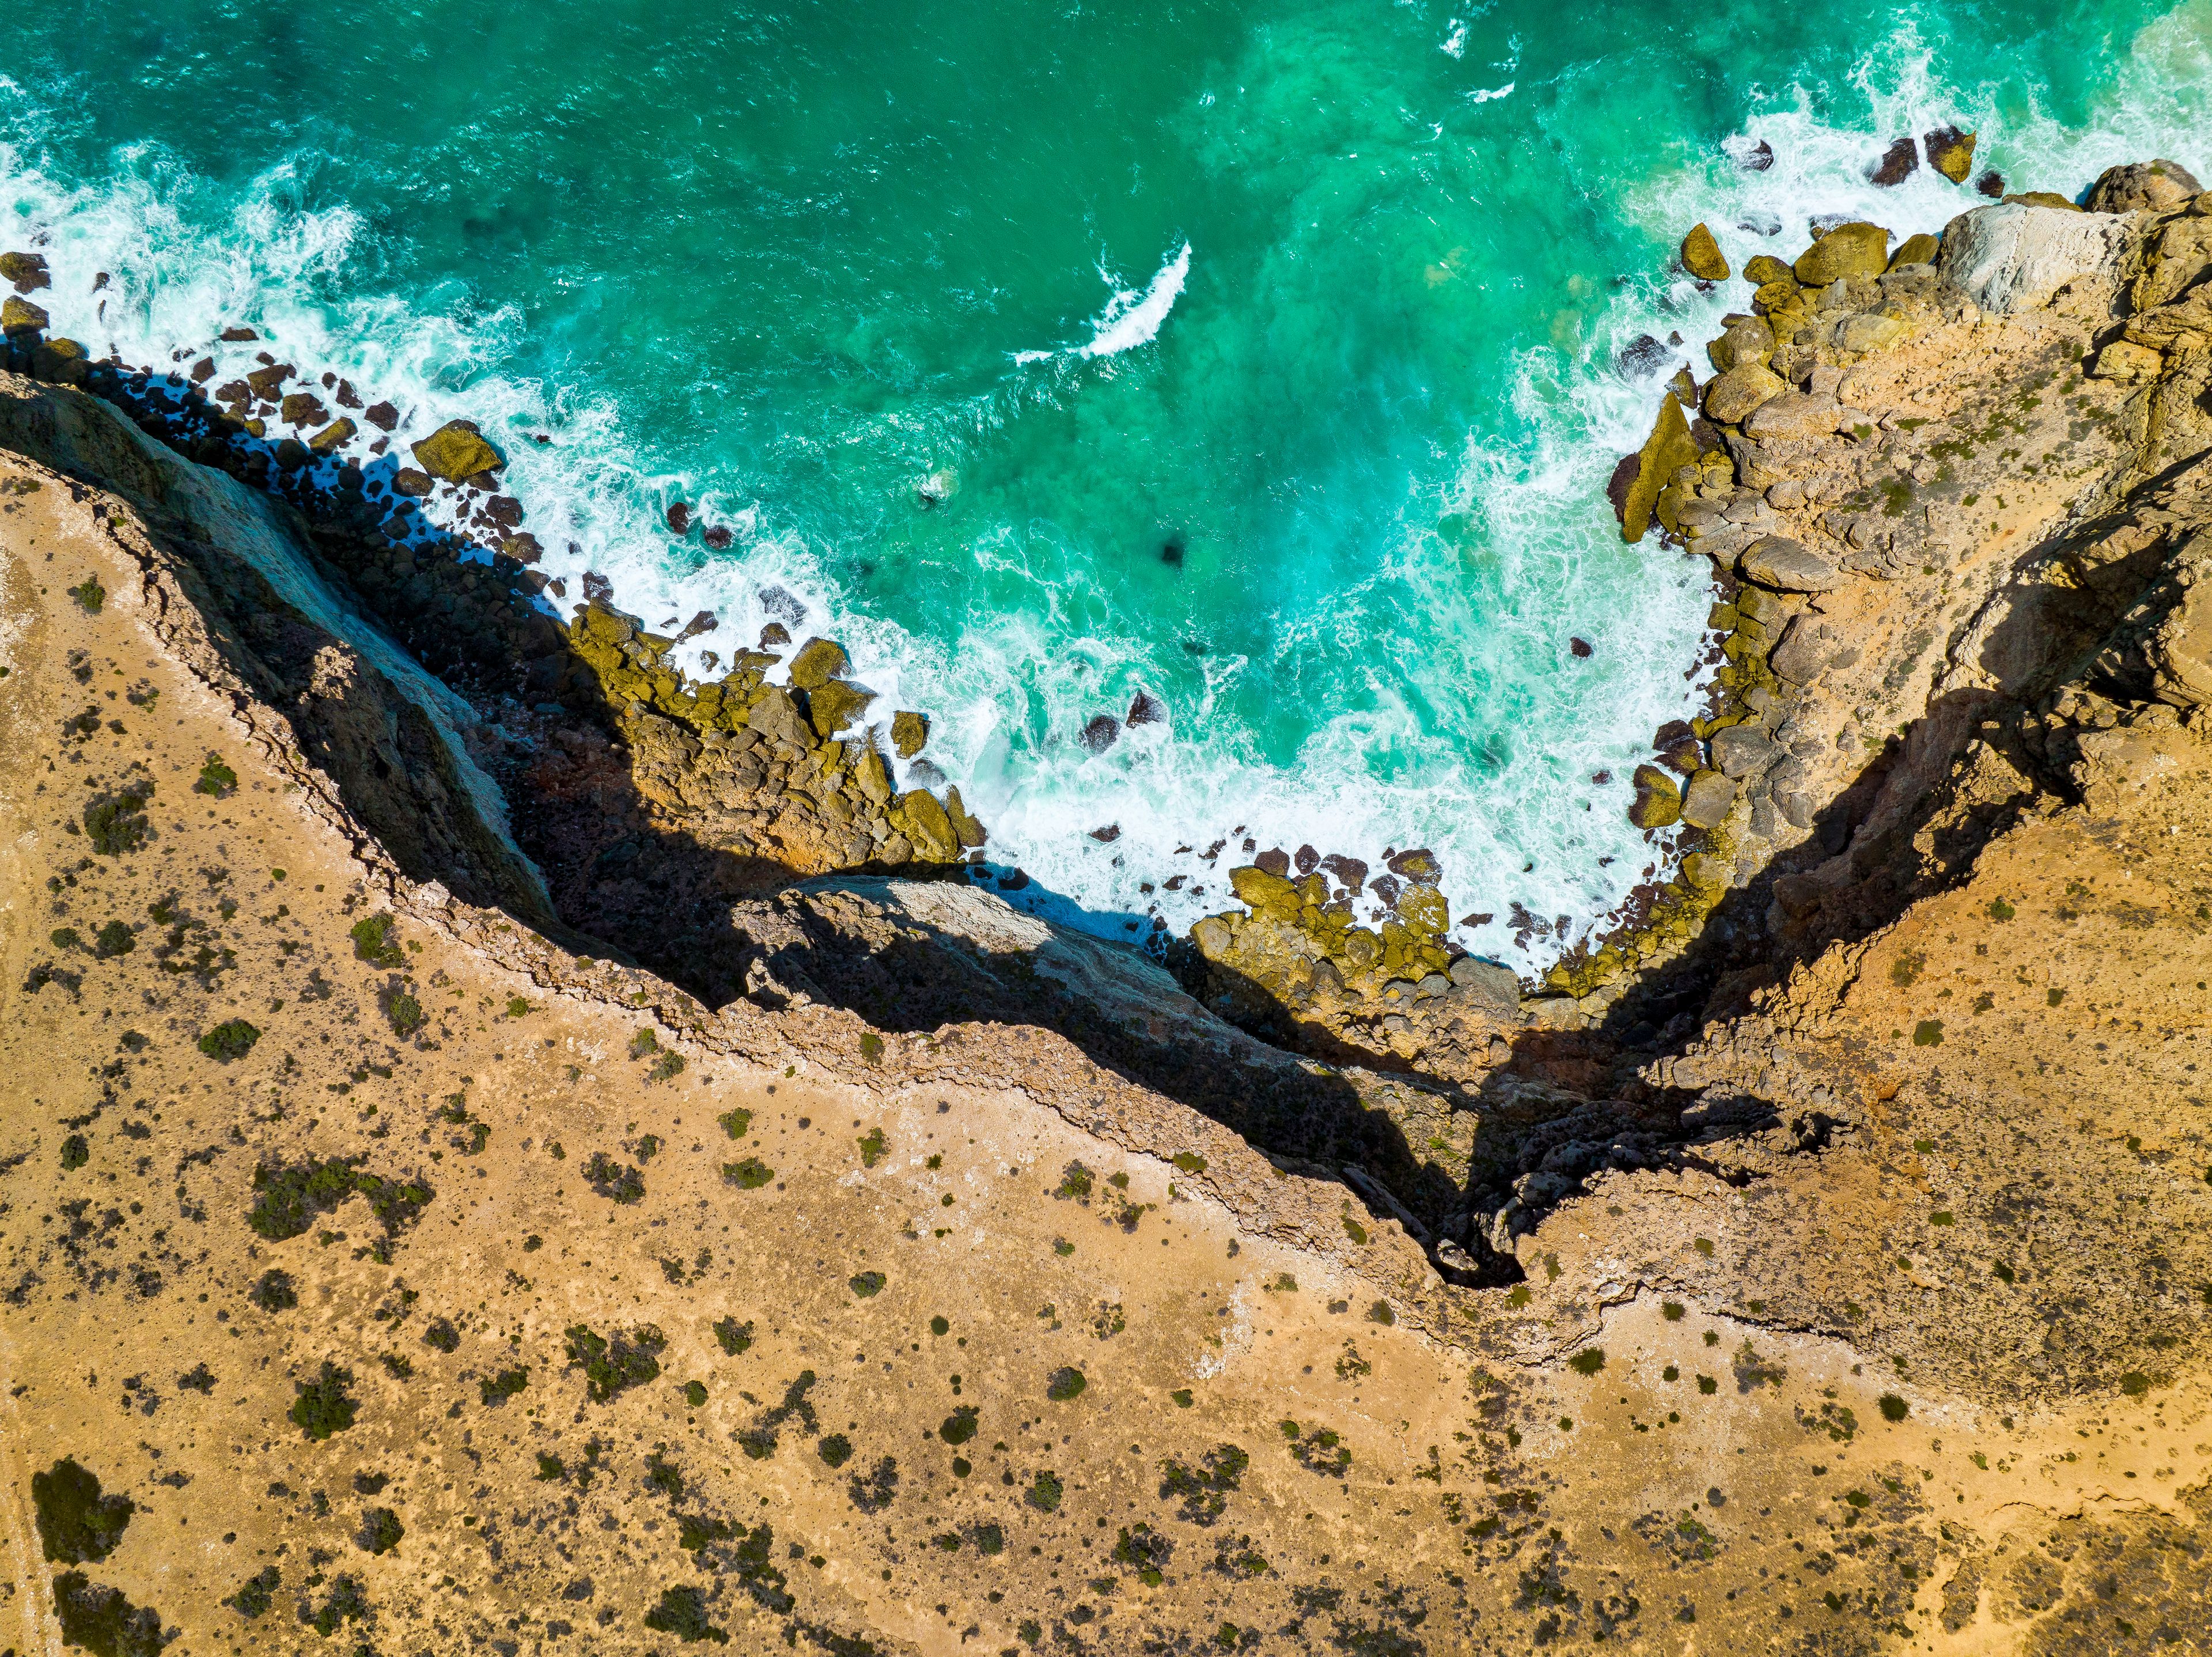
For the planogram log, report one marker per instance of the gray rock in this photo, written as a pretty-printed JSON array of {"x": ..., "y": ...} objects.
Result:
[
  {"x": 2143, "y": 187},
  {"x": 1788, "y": 566},
  {"x": 1705, "y": 803},
  {"x": 1794, "y": 417},
  {"x": 1487, "y": 985},
  {"x": 2012, "y": 256},
  {"x": 1742, "y": 750},
  {"x": 1802, "y": 654}
]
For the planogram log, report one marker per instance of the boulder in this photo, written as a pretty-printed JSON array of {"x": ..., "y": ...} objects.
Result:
[
  {"x": 409, "y": 482},
  {"x": 830, "y": 708},
  {"x": 333, "y": 437},
  {"x": 929, "y": 827},
  {"x": 1741, "y": 751},
  {"x": 61, "y": 362},
  {"x": 1658, "y": 803},
  {"x": 1950, "y": 152},
  {"x": 965, "y": 828},
  {"x": 302, "y": 408},
  {"x": 776, "y": 716},
  {"x": 1899, "y": 162},
  {"x": 909, "y": 731},
  {"x": 21, "y": 316},
  {"x": 267, "y": 382},
  {"x": 1701, "y": 256},
  {"x": 2125, "y": 360},
  {"x": 1919, "y": 248},
  {"x": 1747, "y": 339},
  {"x": 1857, "y": 249},
  {"x": 1801, "y": 655},
  {"x": 1787, "y": 566},
  {"x": 1670, "y": 446},
  {"x": 455, "y": 453},
  {"x": 1866, "y": 332},
  {"x": 2049, "y": 198},
  {"x": 25, "y": 273},
  {"x": 1794, "y": 417},
  {"x": 382, "y": 416},
  {"x": 1494, "y": 988},
  {"x": 1762, "y": 268},
  {"x": 1706, "y": 801},
  {"x": 2012, "y": 257},
  {"x": 2140, "y": 187},
  {"x": 819, "y": 661},
  {"x": 1734, "y": 396}
]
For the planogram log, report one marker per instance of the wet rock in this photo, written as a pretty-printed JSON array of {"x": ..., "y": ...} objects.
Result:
[
  {"x": 1145, "y": 710},
  {"x": 832, "y": 706},
  {"x": 1752, "y": 157},
  {"x": 1991, "y": 184},
  {"x": 382, "y": 416},
  {"x": 455, "y": 453},
  {"x": 60, "y": 361},
  {"x": 1419, "y": 864},
  {"x": 1100, "y": 733},
  {"x": 237, "y": 336},
  {"x": 2156, "y": 186},
  {"x": 1762, "y": 268},
  {"x": 718, "y": 537},
  {"x": 268, "y": 382},
  {"x": 774, "y": 635},
  {"x": 1274, "y": 861},
  {"x": 1899, "y": 162},
  {"x": 333, "y": 437},
  {"x": 1350, "y": 872},
  {"x": 679, "y": 518},
  {"x": 302, "y": 408},
  {"x": 1706, "y": 801},
  {"x": 20, "y": 316},
  {"x": 965, "y": 828},
  {"x": 1788, "y": 566},
  {"x": 409, "y": 482},
  {"x": 1950, "y": 152},
  {"x": 1855, "y": 249},
  {"x": 928, "y": 826},
  {"x": 2049, "y": 198},
  {"x": 1658, "y": 803},
  {"x": 292, "y": 454},
  {"x": 909, "y": 731},
  {"x": 1642, "y": 358},
  {"x": 1734, "y": 396},
  {"x": 1107, "y": 835},
  {"x": 25, "y": 273},
  {"x": 819, "y": 661},
  {"x": 1701, "y": 255},
  {"x": 1670, "y": 446}
]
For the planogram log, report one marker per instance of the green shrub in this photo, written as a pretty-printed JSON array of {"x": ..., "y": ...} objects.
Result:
[
  {"x": 613, "y": 1181},
  {"x": 613, "y": 1366},
  {"x": 959, "y": 1427},
  {"x": 404, "y": 1012},
  {"x": 1893, "y": 1408},
  {"x": 257, "y": 1593},
  {"x": 1588, "y": 1362},
  {"x": 117, "y": 823},
  {"x": 502, "y": 1386},
  {"x": 322, "y": 1407},
  {"x": 78, "y": 1525},
  {"x": 1044, "y": 1492},
  {"x": 732, "y": 1336},
  {"x": 274, "y": 1292},
  {"x": 380, "y": 1531},
  {"x": 216, "y": 778},
  {"x": 736, "y": 1124},
  {"x": 112, "y": 940},
  {"x": 867, "y": 1285},
  {"x": 76, "y": 1153},
  {"x": 1064, "y": 1384},
  {"x": 682, "y": 1612},
  {"x": 232, "y": 1038},
  {"x": 90, "y": 594},
  {"x": 748, "y": 1175},
  {"x": 834, "y": 1448},
  {"x": 373, "y": 942},
  {"x": 872, "y": 1147}
]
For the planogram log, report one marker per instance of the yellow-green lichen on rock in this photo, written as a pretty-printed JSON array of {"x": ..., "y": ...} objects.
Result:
[
  {"x": 1670, "y": 446},
  {"x": 819, "y": 661},
  {"x": 1951, "y": 153},
  {"x": 1857, "y": 249},
  {"x": 1919, "y": 248},
  {"x": 455, "y": 452},
  {"x": 1701, "y": 255}
]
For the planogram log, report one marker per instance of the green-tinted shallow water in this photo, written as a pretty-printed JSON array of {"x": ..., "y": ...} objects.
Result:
[{"x": 1326, "y": 478}]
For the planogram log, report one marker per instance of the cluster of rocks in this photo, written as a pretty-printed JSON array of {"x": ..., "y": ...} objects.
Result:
[
  {"x": 734, "y": 764},
  {"x": 1298, "y": 964},
  {"x": 759, "y": 768}
]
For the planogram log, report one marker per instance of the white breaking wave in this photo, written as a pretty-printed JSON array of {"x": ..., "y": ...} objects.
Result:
[
  {"x": 1131, "y": 318},
  {"x": 1486, "y": 95}
]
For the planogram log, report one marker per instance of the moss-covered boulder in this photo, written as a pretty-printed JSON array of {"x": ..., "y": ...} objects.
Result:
[
  {"x": 1701, "y": 255},
  {"x": 922, "y": 819},
  {"x": 1919, "y": 248},
  {"x": 1762, "y": 268},
  {"x": 333, "y": 437},
  {"x": 1658, "y": 803},
  {"x": 1670, "y": 446},
  {"x": 1950, "y": 152},
  {"x": 1857, "y": 249},
  {"x": 909, "y": 733},
  {"x": 831, "y": 707},
  {"x": 455, "y": 452},
  {"x": 819, "y": 661},
  {"x": 21, "y": 316}
]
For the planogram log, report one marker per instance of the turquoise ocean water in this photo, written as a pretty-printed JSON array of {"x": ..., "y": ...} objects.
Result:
[{"x": 1259, "y": 358}]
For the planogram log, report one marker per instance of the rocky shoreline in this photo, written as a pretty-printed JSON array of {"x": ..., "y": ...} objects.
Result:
[{"x": 493, "y": 1121}]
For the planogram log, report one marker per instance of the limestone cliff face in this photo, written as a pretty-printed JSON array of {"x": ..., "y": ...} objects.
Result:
[{"x": 1822, "y": 1265}]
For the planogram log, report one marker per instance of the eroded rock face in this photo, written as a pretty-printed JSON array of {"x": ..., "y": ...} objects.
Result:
[{"x": 2012, "y": 257}]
